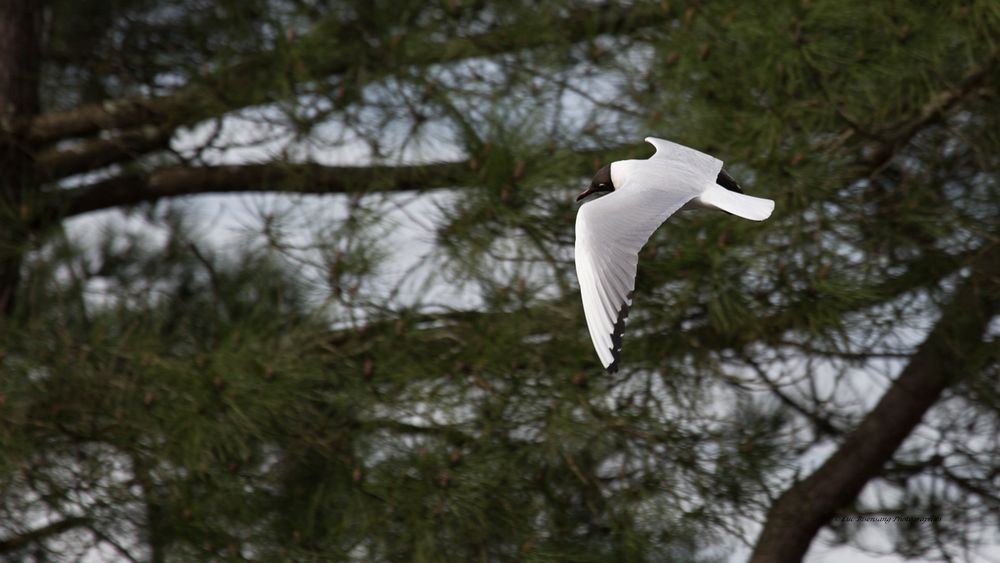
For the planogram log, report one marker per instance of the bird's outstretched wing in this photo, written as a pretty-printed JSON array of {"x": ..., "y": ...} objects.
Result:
[
  {"x": 683, "y": 165},
  {"x": 610, "y": 231}
]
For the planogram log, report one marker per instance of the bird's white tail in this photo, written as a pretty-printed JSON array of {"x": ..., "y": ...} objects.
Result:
[{"x": 741, "y": 205}]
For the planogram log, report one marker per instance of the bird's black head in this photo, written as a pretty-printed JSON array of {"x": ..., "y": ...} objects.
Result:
[{"x": 601, "y": 183}]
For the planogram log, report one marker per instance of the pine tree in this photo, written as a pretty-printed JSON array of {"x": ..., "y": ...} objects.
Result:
[{"x": 325, "y": 385}]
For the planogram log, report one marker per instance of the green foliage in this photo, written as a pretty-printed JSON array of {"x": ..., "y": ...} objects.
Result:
[{"x": 284, "y": 399}]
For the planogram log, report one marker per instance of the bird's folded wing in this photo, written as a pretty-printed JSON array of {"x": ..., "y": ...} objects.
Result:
[{"x": 610, "y": 231}]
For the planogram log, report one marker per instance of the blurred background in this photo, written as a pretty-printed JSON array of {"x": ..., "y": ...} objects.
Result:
[{"x": 292, "y": 280}]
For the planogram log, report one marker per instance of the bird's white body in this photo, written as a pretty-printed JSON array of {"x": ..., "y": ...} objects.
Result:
[{"x": 612, "y": 229}]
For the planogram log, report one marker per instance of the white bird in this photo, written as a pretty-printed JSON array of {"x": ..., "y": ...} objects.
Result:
[{"x": 611, "y": 229}]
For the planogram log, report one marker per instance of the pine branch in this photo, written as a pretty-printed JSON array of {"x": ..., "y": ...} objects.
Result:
[
  {"x": 934, "y": 110},
  {"x": 251, "y": 82},
  {"x": 922, "y": 273},
  {"x": 53, "y": 164},
  {"x": 944, "y": 358},
  {"x": 926, "y": 271},
  {"x": 309, "y": 178},
  {"x": 452, "y": 434},
  {"x": 173, "y": 182},
  {"x": 176, "y": 181}
]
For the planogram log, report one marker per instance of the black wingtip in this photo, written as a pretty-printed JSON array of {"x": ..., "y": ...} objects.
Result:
[
  {"x": 727, "y": 181},
  {"x": 616, "y": 336}
]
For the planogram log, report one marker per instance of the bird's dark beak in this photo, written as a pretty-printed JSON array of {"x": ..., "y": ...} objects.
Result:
[{"x": 584, "y": 194}]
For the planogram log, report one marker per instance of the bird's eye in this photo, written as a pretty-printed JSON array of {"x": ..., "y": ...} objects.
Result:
[{"x": 602, "y": 186}]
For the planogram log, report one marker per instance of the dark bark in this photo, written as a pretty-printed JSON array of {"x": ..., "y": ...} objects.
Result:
[
  {"x": 19, "y": 66},
  {"x": 305, "y": 178},
  {"x": 948, "y": 354},
  {"x": 277, "y": 177},
  {"x": 90, "y": 155}
]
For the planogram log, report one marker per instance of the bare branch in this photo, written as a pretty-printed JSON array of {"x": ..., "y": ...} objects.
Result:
[
  {"x": 175, "y": 181},
  {"x": 53, "y": 164},
  {"x": 309, "y": 178}
]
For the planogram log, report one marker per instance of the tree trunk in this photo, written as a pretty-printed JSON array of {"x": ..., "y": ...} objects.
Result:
[{"x": 19, "y": 70}]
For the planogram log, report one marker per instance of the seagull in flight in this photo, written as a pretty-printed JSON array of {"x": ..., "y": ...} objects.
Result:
[{"x": 637, "y": 197}]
